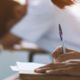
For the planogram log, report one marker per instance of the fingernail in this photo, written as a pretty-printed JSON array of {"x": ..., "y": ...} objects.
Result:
[
  {"x": 48, "y": 71},
  {"x": 37, "y": 70}
]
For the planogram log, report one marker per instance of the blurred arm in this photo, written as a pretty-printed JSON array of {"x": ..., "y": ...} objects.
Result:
[
  {"x": 9, "y": 40},
  {"x": 62, "y": 3}
]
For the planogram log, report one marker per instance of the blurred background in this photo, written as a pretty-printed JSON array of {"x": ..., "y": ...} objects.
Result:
[{"x": 9, "y": 56}]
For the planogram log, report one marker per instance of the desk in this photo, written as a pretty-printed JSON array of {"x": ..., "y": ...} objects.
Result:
[
  {"x": 32, "y": 51},
  {"x": 54, "y": 77}
]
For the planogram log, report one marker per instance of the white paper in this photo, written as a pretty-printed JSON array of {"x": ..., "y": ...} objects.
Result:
[
  {"x": 26, "y": 67},
  {"x": 14, "y": 68}
]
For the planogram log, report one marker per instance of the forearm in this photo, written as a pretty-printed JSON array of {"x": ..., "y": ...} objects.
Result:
[
  {"x": 9, "y": 40},
  {"x": 63, "y": 3}
]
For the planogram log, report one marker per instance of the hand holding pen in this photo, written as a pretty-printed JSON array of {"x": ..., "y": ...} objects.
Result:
[{"x": 60, "y": 50}]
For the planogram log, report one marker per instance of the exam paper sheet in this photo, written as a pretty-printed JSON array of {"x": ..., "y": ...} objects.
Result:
[{"x": 26, "y": 67}]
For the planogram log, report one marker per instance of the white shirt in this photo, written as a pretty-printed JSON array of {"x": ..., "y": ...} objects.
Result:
[{"x": 41, "y": 25}]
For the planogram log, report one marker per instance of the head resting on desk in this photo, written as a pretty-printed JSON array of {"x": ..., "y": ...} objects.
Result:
[{"x": 63, "y": 3}]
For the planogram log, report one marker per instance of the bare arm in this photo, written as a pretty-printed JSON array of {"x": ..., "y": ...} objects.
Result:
[
  {"x": 9, "y": 40},
  {"x": 62, "y": 3}
]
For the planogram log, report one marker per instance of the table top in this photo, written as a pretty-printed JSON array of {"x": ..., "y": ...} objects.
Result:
[{"x": 32, "y": 77}]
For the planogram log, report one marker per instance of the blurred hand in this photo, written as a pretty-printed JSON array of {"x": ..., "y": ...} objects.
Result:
[
  {"x": 62, "y": 3},
  {"x": 58, "y": 56},
  {"x": 60, "y": 68},
  {"x": 9, "y": 40}
]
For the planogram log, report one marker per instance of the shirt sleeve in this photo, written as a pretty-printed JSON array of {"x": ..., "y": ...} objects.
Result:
[
  {"x": 36, "y": 23},
  {"x": 31, "y": 29}
]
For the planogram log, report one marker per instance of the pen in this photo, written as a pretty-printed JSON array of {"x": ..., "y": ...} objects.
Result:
[{"x": 61, "y": 38}]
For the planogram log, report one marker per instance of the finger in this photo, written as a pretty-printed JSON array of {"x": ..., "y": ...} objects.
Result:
[
  {"x": 49, "y": 67},
  {"x": 43, "y": 68},
  {"x": 69, "y": 50},
  {"x": 59, "y": 71},
  {"x": 58, "y": 51},
  {"x": 62, "y": 69},
  {"x": 76, "y": 61},
  {"x": 68, "y": 68},
  {"x": 69, "y": 56}
]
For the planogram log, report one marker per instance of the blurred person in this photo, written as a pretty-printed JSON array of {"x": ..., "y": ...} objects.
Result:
[
  {"x": 40, "y": 25},
  {"x": 35, "y": 27}
]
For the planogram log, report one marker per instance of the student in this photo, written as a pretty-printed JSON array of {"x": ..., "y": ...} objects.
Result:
[
  {"x": 71, "y": 67},
  {"x": 37, "y": 26},
  {"x": 40, "y": 26}
]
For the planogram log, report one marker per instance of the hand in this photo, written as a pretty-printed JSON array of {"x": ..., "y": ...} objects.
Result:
[
  {"x": 59, "y": 69},
  {"x": 8, "y": 40},
  {"x": 70, "y": 68},
  {"x": 58, "y": 56},
  {"x": 1, "y": 47}
]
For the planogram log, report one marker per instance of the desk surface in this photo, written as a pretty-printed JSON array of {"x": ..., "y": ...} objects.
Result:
[{"x": 16, "y": 77}]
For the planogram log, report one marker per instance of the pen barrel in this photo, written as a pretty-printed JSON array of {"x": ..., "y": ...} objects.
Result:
[{"x": 63, "y": 48}]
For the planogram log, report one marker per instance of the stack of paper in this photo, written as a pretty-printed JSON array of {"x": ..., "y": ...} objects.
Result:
[{"x": 26, "y": 67}]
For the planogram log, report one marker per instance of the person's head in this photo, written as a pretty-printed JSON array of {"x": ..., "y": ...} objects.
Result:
[
  {"x": 62, "y": 3},
  {"x": 10, "y": 13}
]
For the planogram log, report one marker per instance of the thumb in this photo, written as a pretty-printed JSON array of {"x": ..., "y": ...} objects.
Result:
[{"x": 57, "y": 52}]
